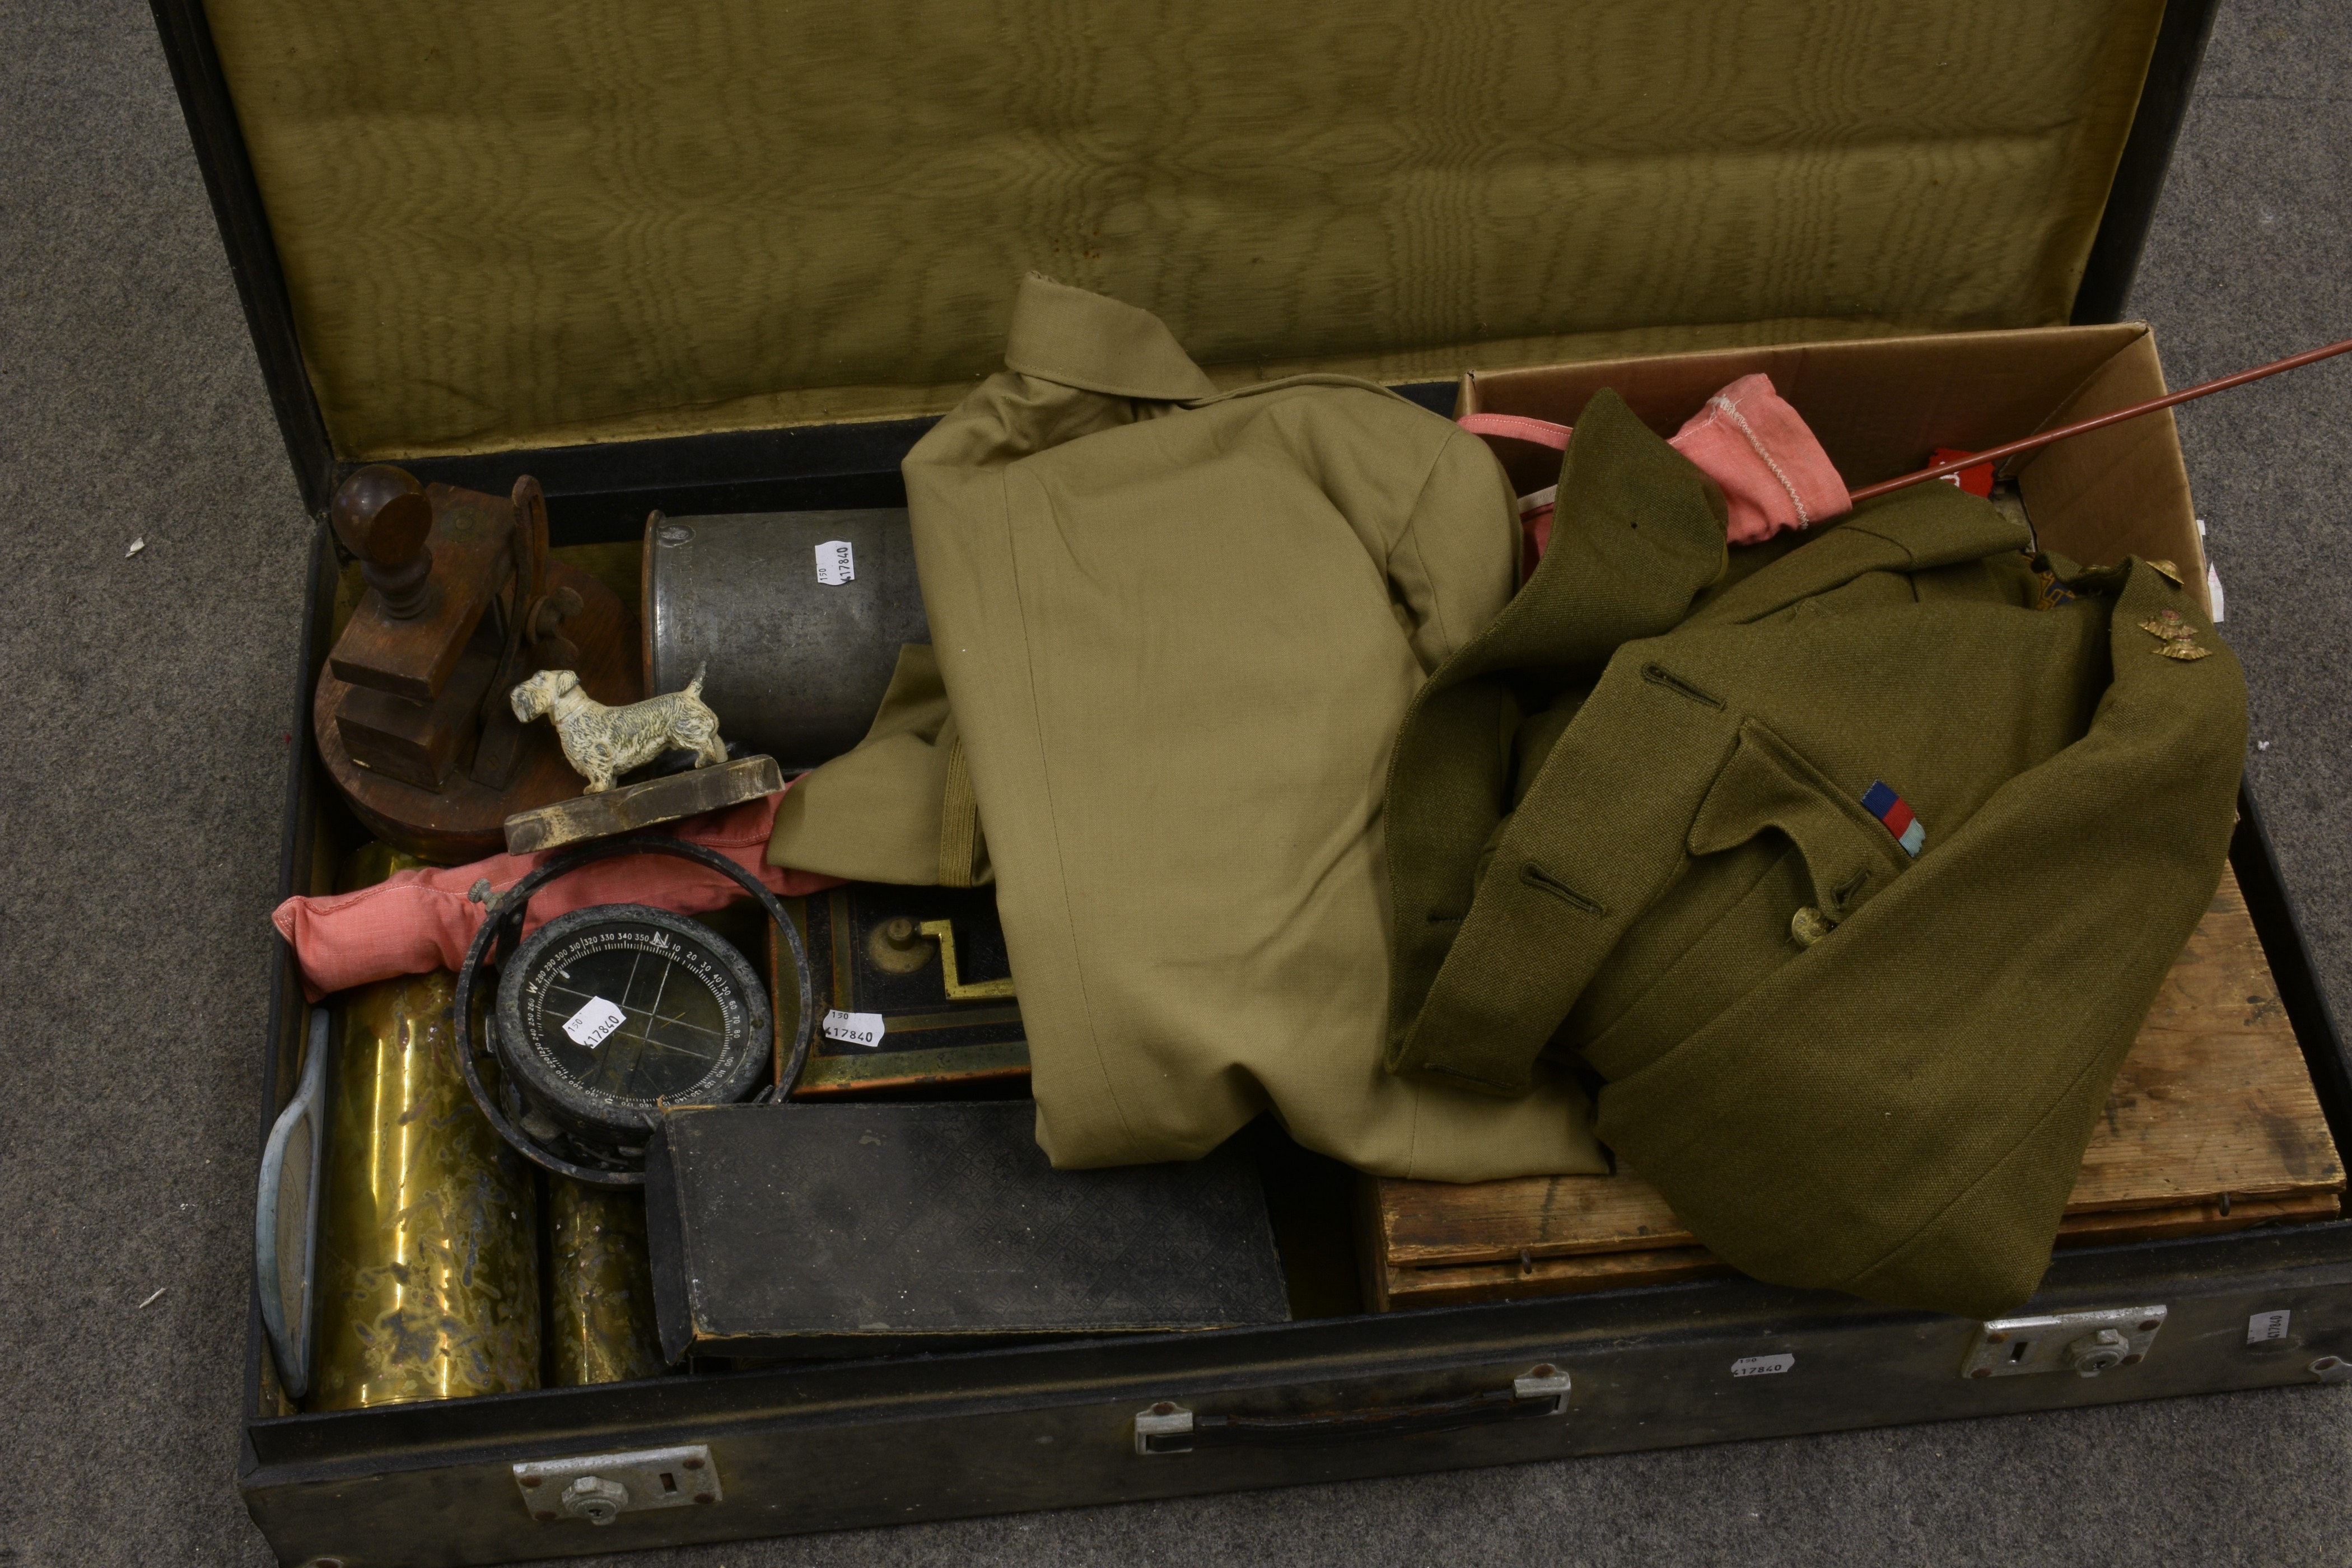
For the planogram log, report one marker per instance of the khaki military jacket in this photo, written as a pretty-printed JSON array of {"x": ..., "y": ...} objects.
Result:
[
  {"x": 1640, "y": 827},
  {"x": 1174, "y": 635}
]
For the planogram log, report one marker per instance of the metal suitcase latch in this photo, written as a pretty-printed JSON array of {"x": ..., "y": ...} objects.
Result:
[
  {"x": 600, "y": 1487},
  {"x": 2084, "y": 1344},
  {"x": 1169, "y": 1428}
]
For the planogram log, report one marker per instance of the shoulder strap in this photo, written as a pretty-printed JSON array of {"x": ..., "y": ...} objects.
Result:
[{"x": 1096, "y": 343}]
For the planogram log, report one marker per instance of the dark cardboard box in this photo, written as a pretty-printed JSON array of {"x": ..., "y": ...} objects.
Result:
[{"x": 855, "y": 1230}]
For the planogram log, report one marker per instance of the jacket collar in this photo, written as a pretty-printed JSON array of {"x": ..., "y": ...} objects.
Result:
[{"x": 1926, "y": 526}]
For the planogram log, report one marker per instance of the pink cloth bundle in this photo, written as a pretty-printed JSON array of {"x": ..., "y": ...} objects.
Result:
[
  {"x": 1773, "y": 470},
  {"x": 413, "y": 922}
]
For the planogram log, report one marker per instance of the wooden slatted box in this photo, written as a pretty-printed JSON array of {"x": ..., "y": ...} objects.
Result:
[{"x": 2212, "y": 1125}]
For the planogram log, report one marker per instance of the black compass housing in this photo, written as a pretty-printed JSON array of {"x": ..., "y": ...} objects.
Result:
[{"x": 609, "y": 1013}]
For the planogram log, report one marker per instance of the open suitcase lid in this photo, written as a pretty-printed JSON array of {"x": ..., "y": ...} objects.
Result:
[{"x": 472, "y": 230}]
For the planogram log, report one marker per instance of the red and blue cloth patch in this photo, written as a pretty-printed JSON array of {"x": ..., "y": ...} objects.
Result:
[{"x": 1890, "y": 809}]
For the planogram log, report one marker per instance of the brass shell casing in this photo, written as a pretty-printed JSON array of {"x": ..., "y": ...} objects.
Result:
[
  {"x": 600, "y": 1286},
  {"x": 429, "y": 1262},
  {"x": 370, "y": 863}
]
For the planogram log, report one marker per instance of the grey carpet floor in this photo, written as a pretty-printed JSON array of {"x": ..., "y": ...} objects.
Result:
[{"x": 147, "y": 705}]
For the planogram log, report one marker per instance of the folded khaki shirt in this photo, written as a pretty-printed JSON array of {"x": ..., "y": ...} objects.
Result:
[{"x": 1175, "y": 633}]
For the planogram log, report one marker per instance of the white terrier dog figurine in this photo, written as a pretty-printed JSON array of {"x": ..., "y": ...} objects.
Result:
[{"x": 602, "y": 743}]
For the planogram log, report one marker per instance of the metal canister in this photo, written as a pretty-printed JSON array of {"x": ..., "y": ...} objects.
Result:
[
  {"x": 795, "y": 654},
  {"x": 428, "y": 1261},
  {"x": 599, "y": 1285}
]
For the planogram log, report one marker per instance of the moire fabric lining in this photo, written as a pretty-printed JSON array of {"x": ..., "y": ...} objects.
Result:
[{"x": 542, "y": 224}]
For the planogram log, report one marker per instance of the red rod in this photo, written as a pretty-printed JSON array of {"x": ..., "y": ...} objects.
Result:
[{"x": 2292, "y": 361}]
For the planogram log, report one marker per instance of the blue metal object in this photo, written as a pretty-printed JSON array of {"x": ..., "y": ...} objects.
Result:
[{"x": 286, "y": 1219}]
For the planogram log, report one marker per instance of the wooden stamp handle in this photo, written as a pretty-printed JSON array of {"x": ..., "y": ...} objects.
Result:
[{"x": 382, "y": 516}]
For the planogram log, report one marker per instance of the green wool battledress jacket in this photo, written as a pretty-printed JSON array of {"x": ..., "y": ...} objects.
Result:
[{"x": 1644, "y": 827}]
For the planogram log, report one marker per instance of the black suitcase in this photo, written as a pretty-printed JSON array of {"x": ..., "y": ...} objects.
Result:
[{"x": 1340, "y": 1393}]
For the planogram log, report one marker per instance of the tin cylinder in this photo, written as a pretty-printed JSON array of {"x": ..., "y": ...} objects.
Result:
[
  {"x": 599, "y": 1285},
  {"x": 794, "y": 667},
  {"x": 429, "y": 1262}
]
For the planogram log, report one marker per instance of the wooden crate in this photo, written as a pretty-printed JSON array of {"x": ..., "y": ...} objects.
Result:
[{"x": 2212, "y": 1125}]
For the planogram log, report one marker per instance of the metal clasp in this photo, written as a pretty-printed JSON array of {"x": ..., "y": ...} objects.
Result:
[
  {"x": 600, "y": 1487},
  {"x": 2084, "y": 1344}
]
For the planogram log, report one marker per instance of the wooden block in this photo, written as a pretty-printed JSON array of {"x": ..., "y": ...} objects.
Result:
[
  {"x": 2106, "y": 1228},
  {"x": 1541, "y": 1277},
  {"x": 2211, "y": 1125},
  {"x": 413, "y": 658},
  {"x": 464, "y": 820},
  {"x": 632, "y": 806},
  {"x": 419, "y": 742},
  {"x": 2215, "y": 1097},
  {"x": 1444, "y": 1287}
]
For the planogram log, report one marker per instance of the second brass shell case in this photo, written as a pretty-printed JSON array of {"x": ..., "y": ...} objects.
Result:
[{"x": 599, "y": 1285}]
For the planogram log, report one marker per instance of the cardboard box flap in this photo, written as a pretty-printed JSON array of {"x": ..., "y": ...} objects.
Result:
[
  {"x": 1881, "y": 406},
  {"x": 542, "y": 224}
]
